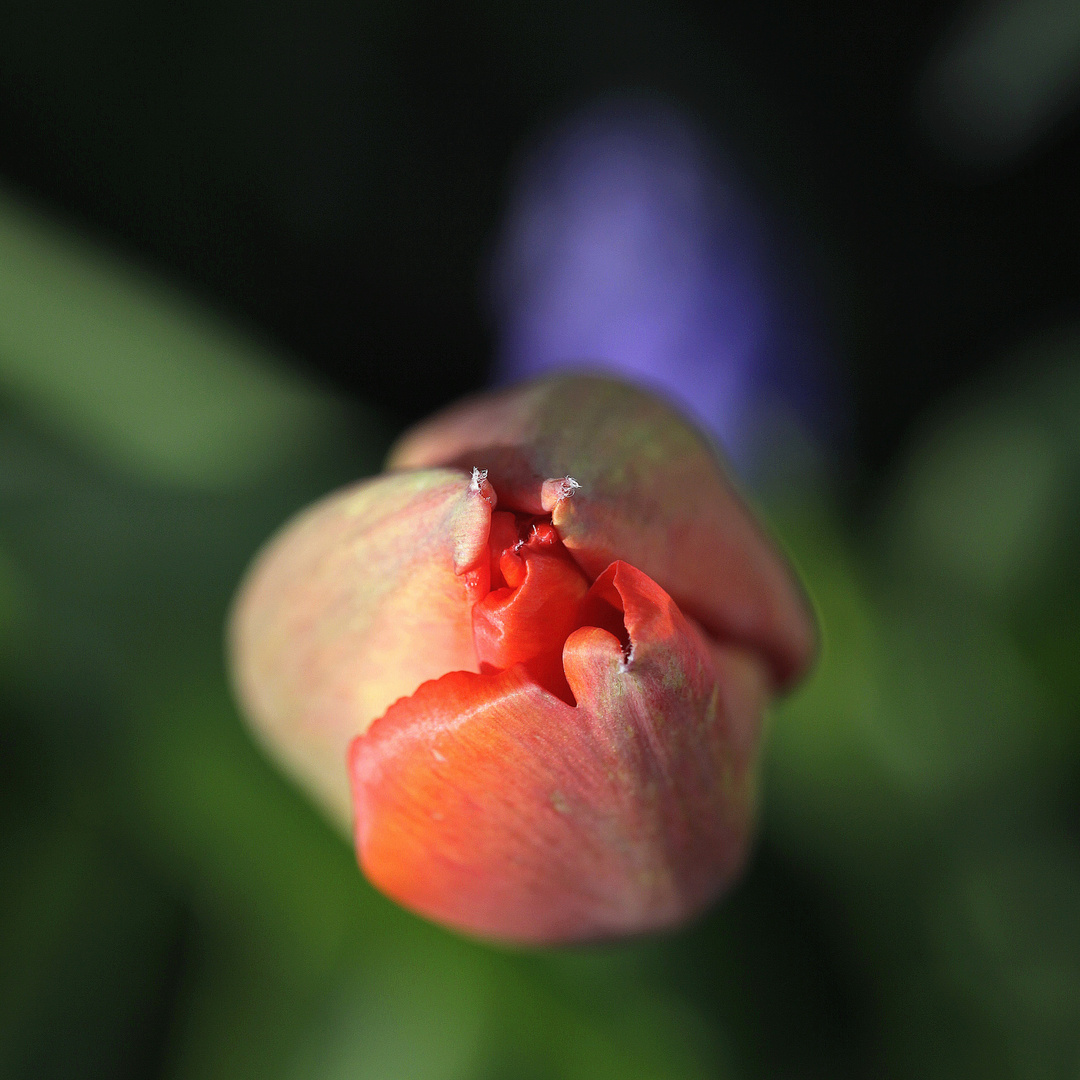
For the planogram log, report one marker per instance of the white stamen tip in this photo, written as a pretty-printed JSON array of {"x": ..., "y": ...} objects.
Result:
[
  {"x": 564, "y": 488},
  {"x": 553, "y": 492}
]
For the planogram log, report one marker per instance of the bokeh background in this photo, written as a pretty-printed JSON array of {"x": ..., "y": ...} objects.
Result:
[{"x": 242, "y": 245}]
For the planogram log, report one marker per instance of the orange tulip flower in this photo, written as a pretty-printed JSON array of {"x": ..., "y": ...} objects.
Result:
[{"x": 529, "y": 663}]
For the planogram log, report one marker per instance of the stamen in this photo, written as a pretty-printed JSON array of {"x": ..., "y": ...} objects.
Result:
[
  {"x": 543, "y": 535},
  {"x": 480, "y": 485}
]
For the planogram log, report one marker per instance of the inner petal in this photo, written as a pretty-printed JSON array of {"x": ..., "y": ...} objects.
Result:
[{"x": 534, "y": 604}]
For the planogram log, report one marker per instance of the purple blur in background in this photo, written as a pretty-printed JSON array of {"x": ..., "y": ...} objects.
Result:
[{"x": 631, "y": 245}]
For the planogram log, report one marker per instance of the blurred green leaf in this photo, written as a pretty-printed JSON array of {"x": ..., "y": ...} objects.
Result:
[
  {"x": 1005, "y": 939},
  {"x": 1007, "y": 73},
  {"x": 987, "y": 506},
  {"x": 826, "y": 761},
  {"x": 12, "y": 600},
  {"x": 920, "y": 705},
  {"x": 251, "y": 853},
  {"x": 240, "y": 1011},
  {"x": 135, "y": 372},
  {"x": 423, "y": 1013},
  {"x": 1008, "y": 931},
  {"x": 85, "y": 943},
  {"x": 979, "y": 499}
]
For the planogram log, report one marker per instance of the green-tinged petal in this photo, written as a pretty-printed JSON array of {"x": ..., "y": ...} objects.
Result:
[{"x": 351, "y": 607}]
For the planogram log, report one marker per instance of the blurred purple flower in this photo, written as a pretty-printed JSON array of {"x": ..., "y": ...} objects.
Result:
[{"x": 630, "y": 246}]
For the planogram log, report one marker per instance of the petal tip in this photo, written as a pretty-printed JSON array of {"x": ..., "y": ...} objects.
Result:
[{"x": 556, "y": 490}]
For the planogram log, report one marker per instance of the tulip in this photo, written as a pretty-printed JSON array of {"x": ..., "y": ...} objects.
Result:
[{"x": 529, "y": 663}]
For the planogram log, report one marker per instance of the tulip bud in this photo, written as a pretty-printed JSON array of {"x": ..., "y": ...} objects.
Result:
[{"x": 530, "y": 663}]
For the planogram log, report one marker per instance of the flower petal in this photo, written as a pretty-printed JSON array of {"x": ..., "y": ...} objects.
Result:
[
  {"x": 652, "y": 492},
  {"x": 354, "y": 604}
]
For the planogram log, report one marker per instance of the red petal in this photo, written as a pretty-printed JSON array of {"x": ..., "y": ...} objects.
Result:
[
  {"x": 487, "y": 803},
  {"x": 529, "y": 624}
]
